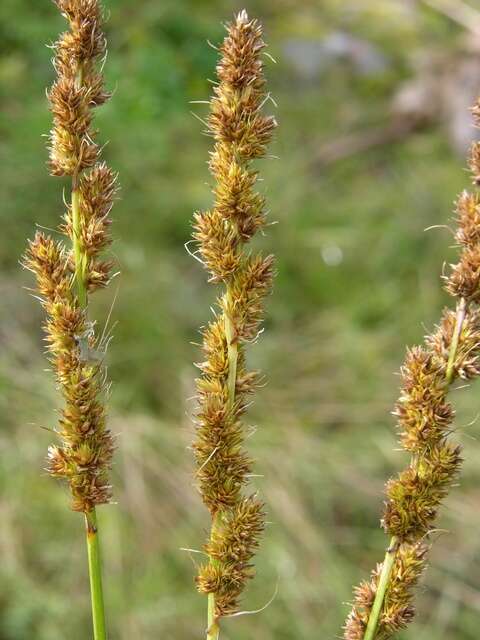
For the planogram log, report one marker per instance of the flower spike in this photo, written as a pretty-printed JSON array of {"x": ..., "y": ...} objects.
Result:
[
  {"x": 384, "y": 605},
  {"x": 67, "y": 273},
  {"x": 241, "y": 133}
]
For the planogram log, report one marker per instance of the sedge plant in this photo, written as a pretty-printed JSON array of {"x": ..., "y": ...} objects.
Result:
[
  {"x": 68, "y": 272},
  {"x": 384, "y": 604},
  {"x": 241, "y": 132}
]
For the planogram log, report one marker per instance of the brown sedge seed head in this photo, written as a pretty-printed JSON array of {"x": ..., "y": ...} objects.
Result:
[{"x": 241, "y": 132}]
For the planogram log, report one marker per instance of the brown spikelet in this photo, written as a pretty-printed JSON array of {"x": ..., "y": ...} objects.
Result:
[
  {"x": 414, "y": 497},
  {"x": 398, "y": 607},
  {"x": 219, "y": 245},
  {"x": 65, "y": 275},
  {"x": 468, "y": 219},
  {"x": 77, "y": 89},
  {"x": 464, "y": 279},
  {"x": 467, "y": 359},
  {"x": 249, "y": 286},
  {"x": 425, "y": 420},
  {"x": 48, "y": 261},
  {"x": 231, "y": 548},
  {"x": 241, "y": 132},
  {"x": 424, "y": 415}
]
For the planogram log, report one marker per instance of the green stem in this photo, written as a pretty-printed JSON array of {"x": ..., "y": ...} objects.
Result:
[
  {"x": 213, "y": 628},
  {"x": 461, "y": 311},
  {"x": 383, "y": 581},
  {"x": 93, "y": 546},
  {"x": 232, "y": 347},
  {"x": 95, "y": 571},
  {"x": 77, "y": 222},
  {"x": 389, "y": 561},
  {"x": 77, "y": 247}
]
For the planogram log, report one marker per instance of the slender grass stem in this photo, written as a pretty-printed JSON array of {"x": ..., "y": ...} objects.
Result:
[
  {"x": 238, "y": 212},
  {"x": 232, "y": 357},
  {"x": 381, "y": 589},
  {"x": 390, "y": 555},
  {"x": 66, "y": 276},
  {"x": 93, "y": 545},
  {"x": 95, "y": 571},
  {"x": 213, "y": 628},
  {"x": 77, "y": 248},
  {"x": 461, "y": 311},
  {"x": 76, "y": 224}
]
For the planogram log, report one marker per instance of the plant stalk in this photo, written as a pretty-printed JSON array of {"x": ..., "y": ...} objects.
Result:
[
  {"x": 383, "y": 581},
  {"x": 461, "y": 311},
  {"x": 77, "y": 247},
  {"x": 95, "y": 571},
  {"x": 93, "y": 546},
  {"x": 232, "y": 354},
  {"x": 389, "y": 561},
  {"x": 213, "y": 628}
]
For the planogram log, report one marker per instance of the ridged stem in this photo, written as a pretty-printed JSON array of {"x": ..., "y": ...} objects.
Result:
[
  {"x": 232, "y": 348},
  {"x": 93, "y": 546},
  {"x": 391, "y": 552},
  {"x": 461, "y": 311},
  {"x": 383, "y": 581},
  {"x": 77, "y": 247},
  {"x": 95, "y": 572},
  {"x": 213, "y": 628},
  {"x": 76, "y": 224}
]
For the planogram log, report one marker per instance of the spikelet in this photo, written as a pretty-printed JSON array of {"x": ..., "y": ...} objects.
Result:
[
  {"x": 398, "y": 606},
  {"x": 241, "y": 133},
  {"x": 65, "y": 275},
  {"x": 425, "y": 420}
]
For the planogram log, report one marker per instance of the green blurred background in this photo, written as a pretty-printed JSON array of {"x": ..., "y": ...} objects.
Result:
[{"x": 372, "y": 107}]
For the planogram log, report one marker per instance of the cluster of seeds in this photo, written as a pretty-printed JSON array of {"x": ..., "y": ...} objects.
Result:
[
  {"x": 241, "y": 133},
  {"x": 67, "y": 273}
]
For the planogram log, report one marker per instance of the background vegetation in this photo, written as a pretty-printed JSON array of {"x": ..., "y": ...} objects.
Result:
[{"x": 372, "y": 105}]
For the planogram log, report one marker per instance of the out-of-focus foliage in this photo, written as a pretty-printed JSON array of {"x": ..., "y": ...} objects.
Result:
[{"x": 372, "y": 103}]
